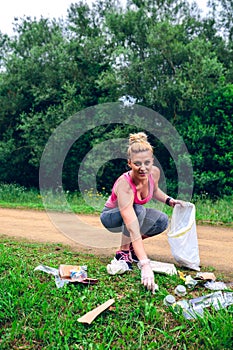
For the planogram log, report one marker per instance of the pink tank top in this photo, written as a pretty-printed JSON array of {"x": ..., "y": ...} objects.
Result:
[{"x": 112, "y": 200}]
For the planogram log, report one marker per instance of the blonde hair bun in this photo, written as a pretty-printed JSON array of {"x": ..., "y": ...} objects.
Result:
[
  {"x": 139, "y": 137},
  {"x": 138, "y": 143}
]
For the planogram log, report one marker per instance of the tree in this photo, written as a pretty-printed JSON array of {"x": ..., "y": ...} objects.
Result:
[
  {"x": 209, "y": 138},
  {"x": 50, "y": 73}
]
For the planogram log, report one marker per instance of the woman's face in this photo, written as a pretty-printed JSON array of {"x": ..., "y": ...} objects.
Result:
[{"x": 141, "y": 163}]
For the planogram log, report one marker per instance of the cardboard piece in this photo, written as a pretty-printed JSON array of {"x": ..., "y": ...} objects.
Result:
[
  {"x": 91, "y": 315},
  {"x": 205, "y": 276}
]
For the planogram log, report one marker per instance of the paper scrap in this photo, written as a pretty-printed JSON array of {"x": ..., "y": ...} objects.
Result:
[
  {"x": 91, "y": 315},
  {"x": 207, "y": 276}
]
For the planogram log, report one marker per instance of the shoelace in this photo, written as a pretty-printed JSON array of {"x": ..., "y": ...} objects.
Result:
[{"x": 123, "y": 256}]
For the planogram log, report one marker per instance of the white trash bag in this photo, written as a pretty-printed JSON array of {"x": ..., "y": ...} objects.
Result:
[{"x": 182, "y": 236}]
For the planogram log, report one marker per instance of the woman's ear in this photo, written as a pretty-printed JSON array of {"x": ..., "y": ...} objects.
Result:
[{"x": 129, "y": 163}]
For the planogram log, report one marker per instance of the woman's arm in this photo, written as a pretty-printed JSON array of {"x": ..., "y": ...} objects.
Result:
[
  {"x": 159, "y": 194},
  {"x": 125, "y": 199}
]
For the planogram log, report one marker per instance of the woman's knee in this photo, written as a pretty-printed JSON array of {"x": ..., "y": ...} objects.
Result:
[
  {"x": 155, "y": 223},
  {"x": 111, "y": 220},
  {"x": 163, "y": 222},
  {"x": 140, "y": 212}
]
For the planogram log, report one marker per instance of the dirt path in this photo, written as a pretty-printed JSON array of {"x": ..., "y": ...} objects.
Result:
[{"x": 215, "y": 243}]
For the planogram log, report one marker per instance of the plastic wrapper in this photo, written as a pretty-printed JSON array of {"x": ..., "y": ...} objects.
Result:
[
  {"x": 117, "y": 267},
  {"x": 214, "y": 299},
  {"x": 190, "y": 282},
  {"x": 195, "y": 307},
  {"x": 67, "y": 274},
  {"x": 52, "y": 271},
  {"x": 213, "y": 285},
  {"x": 161, "y": 267},
  {"x": 228, "y": 296}
]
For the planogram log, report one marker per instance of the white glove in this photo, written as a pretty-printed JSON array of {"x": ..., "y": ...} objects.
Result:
[{"x": 147, "y": 275}]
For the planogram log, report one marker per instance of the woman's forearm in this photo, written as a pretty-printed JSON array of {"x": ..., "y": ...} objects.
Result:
[
  {"x": 136, "y": 240},
  {"x": 160, "y": 195},
  {"x": 139, "y": 250}
]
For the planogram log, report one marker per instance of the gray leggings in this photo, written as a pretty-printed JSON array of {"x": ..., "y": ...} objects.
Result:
[{"x": 151, "y": 221}]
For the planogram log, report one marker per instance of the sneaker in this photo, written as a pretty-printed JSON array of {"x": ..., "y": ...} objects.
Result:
[
  {"x": 122, "y": 255},
  {"x": 134, "y": 257}
]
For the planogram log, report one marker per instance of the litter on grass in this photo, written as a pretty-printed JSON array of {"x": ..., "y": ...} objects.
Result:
[
  {"x": 73, "y": 273},
  {"x": 67, "y": 274},
  {"x": 180, "y": 290},
  {"x": 91, "y": 315},
  {"x": 161, "y": 267},
  {"x": 169, "y": 300},
  {"x": 195, "y": 307},
  {"x": 117, "y": 267},
  {"x": 205, "y": 279},
  {"x": 190, "y": 282},
  {"x": 213, "y": 285},
  {"x": 205, "y": 276}
]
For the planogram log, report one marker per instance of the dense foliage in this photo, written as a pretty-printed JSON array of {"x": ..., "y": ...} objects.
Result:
[{"x": 163, "y": 54}]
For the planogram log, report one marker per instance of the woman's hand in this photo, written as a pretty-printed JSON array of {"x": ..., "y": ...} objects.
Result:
[
  {"x": 172, "y": 202},
  {"x": 147, "y": 275}
]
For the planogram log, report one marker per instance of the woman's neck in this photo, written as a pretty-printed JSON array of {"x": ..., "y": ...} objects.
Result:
[{"x": 138, "y": 181}]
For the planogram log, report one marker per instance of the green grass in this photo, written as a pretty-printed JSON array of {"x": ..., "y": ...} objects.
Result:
[
  {"x": 217, "y": 212},
  {"x": 34, "y": 314}
]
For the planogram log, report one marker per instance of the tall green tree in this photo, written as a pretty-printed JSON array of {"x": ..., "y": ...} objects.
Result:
[
  {"x": 51, "y": 72},
  {"x": 209, "y": 138}
]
